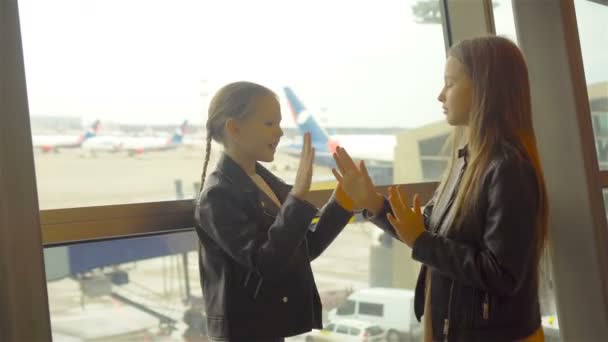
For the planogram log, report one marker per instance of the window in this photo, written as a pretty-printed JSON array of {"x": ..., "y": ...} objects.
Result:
[
  {"x": 117, "y": 115},
  {"x": 342, "y": 329},
  {"x": 355, "y": 331},
  {"x": 117, "y": 111},
  {"x": 91, "y": 176},
  {"x": 505, "y": 26},
  {"x": 374, "y": 330},
  {"x": 593, "y": 34},
  {"x": 129, "y": 289},
  {"x": 503, "y": 19},
  {"x": 348, "y": 308},
  {"x": 371, "y": 309}
]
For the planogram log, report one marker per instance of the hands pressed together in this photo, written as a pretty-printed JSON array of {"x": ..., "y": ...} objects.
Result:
[
  {"x": 301, "y": 187},
  {"x": 357, "y": 191},
  {"x": 355, "y": 182}
]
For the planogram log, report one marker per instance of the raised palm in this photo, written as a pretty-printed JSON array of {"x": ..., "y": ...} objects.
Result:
[
  {"x": 301, "y": 186},
  {"x": 354, "y": 179}
]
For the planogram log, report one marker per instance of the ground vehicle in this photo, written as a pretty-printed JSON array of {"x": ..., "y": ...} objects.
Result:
[
  {"x": 348, "y": 330},
  {"x": 390, "y": 308}
]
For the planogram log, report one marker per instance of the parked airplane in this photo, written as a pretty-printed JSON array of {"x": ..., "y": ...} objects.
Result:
[
  {"x": 53, "y": 143},
  {"x": 135, "y": 145}
]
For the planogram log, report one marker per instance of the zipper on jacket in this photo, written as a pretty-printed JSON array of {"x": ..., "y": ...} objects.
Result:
[
  {"x": 257, "y": 289},
  {"x": 485, "y": 306},
  {"x": 448, "y": 206},
  {"x": 446, "y": 321},
  {"x": 247, "y": 278},
  {"x": 258, "y": 286}
]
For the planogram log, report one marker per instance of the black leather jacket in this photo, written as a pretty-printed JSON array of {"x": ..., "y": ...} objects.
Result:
[
  {"x": 255, "y": 257},
  {"x": 483, "y": 285}
]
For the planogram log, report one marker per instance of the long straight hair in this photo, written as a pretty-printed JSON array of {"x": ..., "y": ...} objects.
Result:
[{"x": 501, "y": 113}]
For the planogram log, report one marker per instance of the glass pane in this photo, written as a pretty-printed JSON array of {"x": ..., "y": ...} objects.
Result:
[
  {"x": 117, "y": 110},
  {"x": 592, "y": 19},
  {"x": 371, "y": 309},
  {"x": 342, "y": 329},
  {"x": 505, "y": 26},
  {"x": 374, "y": 330},
  {"x": 503, "y": 19},
  {"x": 347, "y": 308},
  {"x": 142, "y": 289}
]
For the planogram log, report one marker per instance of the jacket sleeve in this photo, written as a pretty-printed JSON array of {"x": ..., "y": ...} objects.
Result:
[
  {"x": 333, "y": 218},
  {"x": 237, "y": 234},
  {"x": 383, "y": 223},
  {"x": 508, "y": 237}
]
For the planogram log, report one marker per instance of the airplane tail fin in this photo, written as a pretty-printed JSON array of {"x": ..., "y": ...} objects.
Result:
[
  {"x": 307, "y": 123},
  {"x": 178, "y": 136},
  {"x": 91, "y": 131}
]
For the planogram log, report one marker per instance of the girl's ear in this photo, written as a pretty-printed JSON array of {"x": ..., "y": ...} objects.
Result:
[{"x": 231, "y": 128}]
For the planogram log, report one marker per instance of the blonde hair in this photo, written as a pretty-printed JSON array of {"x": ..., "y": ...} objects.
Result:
[
  {"x": 501, "y": 113},
  {"x": 232, "y": 101}
]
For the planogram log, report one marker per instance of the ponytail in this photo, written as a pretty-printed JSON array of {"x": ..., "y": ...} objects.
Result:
[{"x": 207, "y": 153}]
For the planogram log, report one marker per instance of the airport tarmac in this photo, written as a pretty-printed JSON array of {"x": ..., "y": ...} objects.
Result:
[{"x": 72, "y": 178}]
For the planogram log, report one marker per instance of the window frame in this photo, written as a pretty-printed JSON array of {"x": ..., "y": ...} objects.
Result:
[{"x": 88, "y": 224}]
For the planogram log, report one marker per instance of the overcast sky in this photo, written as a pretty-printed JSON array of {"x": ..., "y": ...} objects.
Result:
[{"x": 354, "y": 63}]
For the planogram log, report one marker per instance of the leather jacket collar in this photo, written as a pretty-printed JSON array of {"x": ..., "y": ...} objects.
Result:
[{"x": 235, "y": 174}]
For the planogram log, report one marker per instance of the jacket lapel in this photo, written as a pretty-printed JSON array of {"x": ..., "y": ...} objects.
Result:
[{"x": 237, "y": 176}]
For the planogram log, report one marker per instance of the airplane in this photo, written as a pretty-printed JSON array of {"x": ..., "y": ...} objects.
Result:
[
  {"x": 53, "y": 143},
  {"x": 375, "y": 150},
  {"x": 135, "y": 145}
]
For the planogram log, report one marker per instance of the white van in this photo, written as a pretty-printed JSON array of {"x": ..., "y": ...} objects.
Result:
[
  {"x": 391, "y": 309},
  {"x": 348, "y": 330}
]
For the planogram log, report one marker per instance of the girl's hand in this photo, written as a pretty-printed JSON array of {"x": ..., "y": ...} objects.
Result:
[
  {"x": 304, "y": 176},
  {"x": 356, "y": 183},
  {"x": 408, "y": 223}
]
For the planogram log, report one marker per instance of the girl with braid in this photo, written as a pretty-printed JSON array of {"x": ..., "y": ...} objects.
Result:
[{"x": 257, "y": 240}]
